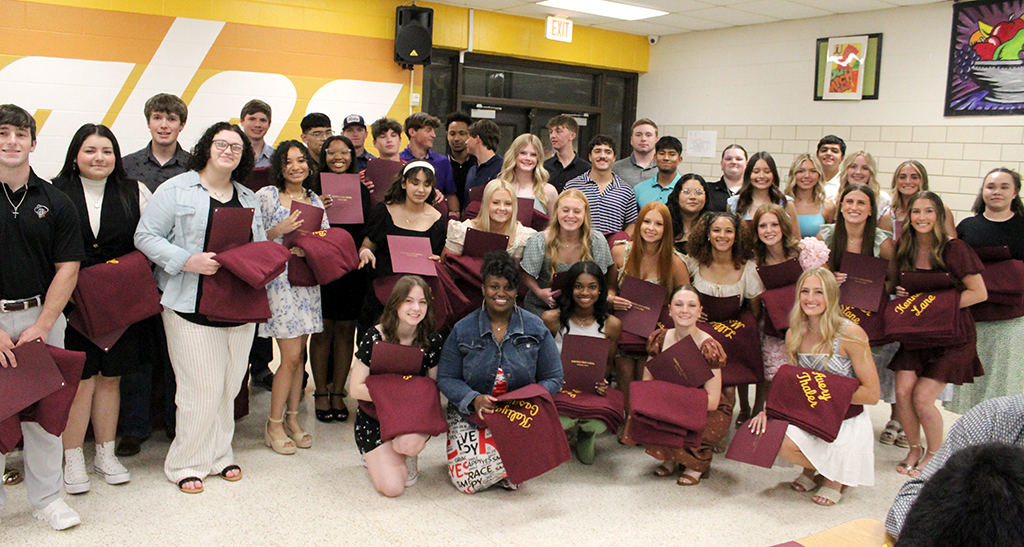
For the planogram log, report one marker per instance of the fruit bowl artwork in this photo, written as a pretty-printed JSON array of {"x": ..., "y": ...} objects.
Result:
[{"x": 1003, "y": 79}]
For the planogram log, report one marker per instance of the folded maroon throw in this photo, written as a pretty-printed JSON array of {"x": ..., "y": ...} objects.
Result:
[
  {"x": 778, "y": 302},
  {"x": 114, "y": 295},
  {"x": 228, "y": 297},
  {"x": 814, "y": 401},
  {"x": 926, "y": 319},
  {"x": 50, "y": 412},
  {"x": 406, "y": 404},
  {"x": 578, "y": 404},
  {"x": 465, "y": 273},
  {"x": 330, "y": 254},
  {"x": 741, "y": 340},
  {"x": 528, "y": 433},
  {"x": 873, "y": 323}
]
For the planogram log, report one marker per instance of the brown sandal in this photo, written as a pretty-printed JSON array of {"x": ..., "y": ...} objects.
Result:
[
  {"x": 690, "y": 480},
  {"x": 664, "y": 470}
]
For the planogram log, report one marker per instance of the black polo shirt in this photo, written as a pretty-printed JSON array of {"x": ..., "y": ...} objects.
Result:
[
  {"x": 44, "y": 232},
  {"x": 459, "y": 172},
  {"x": 143, "y": 166},
  {"x": 719, "y": 195},
  {"x": 558, "y": 174}
]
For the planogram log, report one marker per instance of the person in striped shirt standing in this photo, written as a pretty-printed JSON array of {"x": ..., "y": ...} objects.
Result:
[{"x": 612, "y": 201}]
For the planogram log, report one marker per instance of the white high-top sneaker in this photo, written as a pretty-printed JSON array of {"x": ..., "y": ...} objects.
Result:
[
  {"x": 107, "y": 466},
  {"x": 412, "y": 467},
  {"x": 76, "y": 478}
]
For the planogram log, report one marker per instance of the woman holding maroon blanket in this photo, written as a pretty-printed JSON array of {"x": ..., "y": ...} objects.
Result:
[
  {"x": 820, "y": 338},
  {"x": 685, "y": 309},
  {"x": 408, "y": 319},
  {"x": 583, "y": 311},
  {"x": 921, "y": 374},
  {"x": 494, "y": 350},
  {"x": 296, "y": 310},
  {"x": 93, "y": 171},
  {"x": 209, "y": 357}
]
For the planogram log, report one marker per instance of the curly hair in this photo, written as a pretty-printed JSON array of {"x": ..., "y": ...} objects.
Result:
[
  {"x": 500, "y": 264},
  {"x": 746, "y": 193},
  {"x": 567, "y": 304},
  {"x": 674, "y": 209},
  {"x": 790, "y": 244},
  {"x": 396, "y": 192},
  {"x": 389, "y": 317},
  {"x": 201, "y": 151},
  {"x": 279, "y": 162},
  {"x": 700, "y": 240}
]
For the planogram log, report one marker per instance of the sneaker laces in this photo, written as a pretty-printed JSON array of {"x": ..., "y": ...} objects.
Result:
[
  {"x": 106, "y": 461},
  {"x": 74, "y": 466}
]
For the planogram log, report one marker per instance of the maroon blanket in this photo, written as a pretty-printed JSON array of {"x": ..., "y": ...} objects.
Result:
[
  {"x": 406, "y": 404},
  {"x": 926, "y": 319},
  {"x": 330, "y": 254},
  {"x": 50, "y": 412},
  {"x": 465, "y": 273},
  {"x": 816, "y": 402},
  {"x": 873, "y": 323},
  {"x": 778, "y": 302},
  {"x": 240, "y": 261},
  {"x": 528, "y": 433},
  {"x": 227, "y": 297},
  {"x": 114, "y": 295},
  {"x": 609, "y": 409},
  {"x": 742, "y": 342}
]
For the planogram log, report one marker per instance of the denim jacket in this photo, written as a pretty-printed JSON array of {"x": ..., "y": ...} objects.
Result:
[
  {"x": 471, "y": 357},
  {"x": 173, "y": 228}
]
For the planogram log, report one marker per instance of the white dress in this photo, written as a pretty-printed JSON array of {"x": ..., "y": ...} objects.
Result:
[
  {"x": 296, "y": 310},
  {"x": 850, "y": 459},
  {"x": 457, "y": 237}
]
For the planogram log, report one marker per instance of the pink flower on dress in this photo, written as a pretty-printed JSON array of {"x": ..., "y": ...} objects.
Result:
[{"x": 813, "y": 253}]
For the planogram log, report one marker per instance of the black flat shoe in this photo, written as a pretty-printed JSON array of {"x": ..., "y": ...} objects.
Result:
[{"x": 325, "y": 416}]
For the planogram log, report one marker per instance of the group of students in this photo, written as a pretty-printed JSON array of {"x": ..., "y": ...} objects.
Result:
[{"x": 478, "y": 342}]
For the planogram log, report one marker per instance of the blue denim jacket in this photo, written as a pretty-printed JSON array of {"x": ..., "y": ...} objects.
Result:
[
  {"x": 173, "y": 228},
  {"x": 471, "y": 357}
]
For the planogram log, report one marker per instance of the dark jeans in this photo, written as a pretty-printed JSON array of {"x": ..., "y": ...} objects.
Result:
[{"x": 137, "y": 416}]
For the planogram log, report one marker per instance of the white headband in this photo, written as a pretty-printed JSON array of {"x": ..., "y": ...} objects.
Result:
[{"x": 417, "y": 163}]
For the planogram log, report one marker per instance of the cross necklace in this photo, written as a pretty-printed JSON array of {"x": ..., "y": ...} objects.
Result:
[{"x": 9, "y": 200}]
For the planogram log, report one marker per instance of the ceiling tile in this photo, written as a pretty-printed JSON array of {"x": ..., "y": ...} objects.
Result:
[
  {"x": 492, "y": 5},
  {"x": 732, "y": 17},
  {"x": 850, "y": 6},
  {"x": 783, "y": 9},
  {"x": 643, "y": 28},
  {"x": 687, "y": 21},
  {"x": 537, "y": 11}
]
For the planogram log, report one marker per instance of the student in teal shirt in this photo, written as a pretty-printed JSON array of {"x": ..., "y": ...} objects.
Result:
[{"x": 668, "y": 152}]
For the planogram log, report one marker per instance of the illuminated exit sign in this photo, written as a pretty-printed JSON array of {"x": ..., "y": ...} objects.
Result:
[{"x": 558, "y": 29}]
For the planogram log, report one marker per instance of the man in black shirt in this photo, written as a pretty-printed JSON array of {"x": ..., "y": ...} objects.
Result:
[
  {"x": 734, "y": 162},
  {"x": 163, "y": 157},
  {"x": 42, "y": 246},
  {"x": 564, "y": 165},
  {"x": 457, "y": 131}
]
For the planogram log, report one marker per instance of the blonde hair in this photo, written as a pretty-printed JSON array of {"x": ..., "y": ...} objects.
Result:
[
  {"x": 872, "y": 170},
  {"x": 483, "y": 218},
  {"x": 553, "y": 233},
  {"x": 898, "y": 198},
  {"x": 539, "y": 175},
  {"x": 831, "y": 322},
  {"x": 665, "y": 252},
  {"x": 818, "y": 192}
]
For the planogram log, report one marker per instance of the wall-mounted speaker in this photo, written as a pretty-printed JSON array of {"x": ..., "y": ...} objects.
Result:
[{"x": 414, "y": 35}]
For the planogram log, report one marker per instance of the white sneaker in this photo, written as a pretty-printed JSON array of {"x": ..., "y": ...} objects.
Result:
[
  {"x": 76, "y": 478},
  {"x": 107, "y": 466},
  {"x": 412, "y": 467},
  {"x": 58, "y": 515}
]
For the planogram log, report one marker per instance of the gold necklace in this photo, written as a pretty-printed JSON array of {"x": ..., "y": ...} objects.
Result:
[
  {"x": 9, "y": 200},
  {"x": 409, "y": 220}
]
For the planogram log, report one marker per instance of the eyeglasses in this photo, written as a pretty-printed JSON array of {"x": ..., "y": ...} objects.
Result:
[
  {"x": 223, "y": 145},
  {"x": 688, "y": 192},
  {"x": 321, "y": 135}
]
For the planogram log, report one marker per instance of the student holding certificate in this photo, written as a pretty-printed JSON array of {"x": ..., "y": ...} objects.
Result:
[
  {"x": 921, "y": 374},
  {"x": 998, "y": 220},
  {"x": 341, "y": 299},
  {"x": 583, "y": 310},
  {"x": 652, "y": 257},
  {"x": 685, "y": 309},
  {"x": 209, "y": 357},
  {"x": 498, "y": 215},
  {"x": 296, "y": 309},
  {"x": 821, "y": 339},
  {"x": 408, "y": 319}
]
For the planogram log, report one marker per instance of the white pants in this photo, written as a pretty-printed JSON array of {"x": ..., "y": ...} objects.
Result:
[
  {"x": 209, "y": 364},
  {"x": 43, "y": 452}
]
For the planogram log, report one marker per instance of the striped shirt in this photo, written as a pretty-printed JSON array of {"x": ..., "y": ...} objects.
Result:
[{"x": 610, "y": 211}]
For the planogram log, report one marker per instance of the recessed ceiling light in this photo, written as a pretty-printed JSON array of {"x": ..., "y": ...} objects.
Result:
[{"x": 605, "y": 9}]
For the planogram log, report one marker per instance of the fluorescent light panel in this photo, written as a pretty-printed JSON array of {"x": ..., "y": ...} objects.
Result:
[{"x": 604, "y": 8}]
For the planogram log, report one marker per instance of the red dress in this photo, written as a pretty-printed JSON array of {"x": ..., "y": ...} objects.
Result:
[{"x": 958, "y": 363}]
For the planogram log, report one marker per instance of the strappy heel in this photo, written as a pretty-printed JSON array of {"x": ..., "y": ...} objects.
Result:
[
  {"x": 906, "y": 468},
  {"x": 918, "y": 469},
  {"x": 285, "y": 447},
  {"x": 300, "y": 437},
  {"x": 325, "y": 416}
]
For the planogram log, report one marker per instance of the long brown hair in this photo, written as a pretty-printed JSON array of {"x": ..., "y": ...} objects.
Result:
[
  {"x": 906, "y": 253},
  {"x": 789, "y": 243},
  {"x": 389, "y": 318},
  {"x": 665, "y": 246},
  {"x": 553, "y": 233},
  {"x": 746, "y": 193},
  {"x": 839, "y": 235}
]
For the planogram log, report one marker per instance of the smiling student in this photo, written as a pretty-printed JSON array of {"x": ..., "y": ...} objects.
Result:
[{"x": 612, "y": 201}]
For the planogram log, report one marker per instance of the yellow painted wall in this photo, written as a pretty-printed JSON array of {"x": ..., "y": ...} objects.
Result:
[{"x": 493, "y": 33}]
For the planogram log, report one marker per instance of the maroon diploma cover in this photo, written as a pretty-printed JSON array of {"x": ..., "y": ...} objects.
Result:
[
  {"x": 229, "y": 228},
  {"x": 648, "y": 299},
  {"x": 524, "y": 211},
  {"x": 478, "y": 243},
  {"x": 411, "y": 255},
  {"x": 584, "y": 360},
  {"x": 682, "y": 363},
  {"x": 528, "y": 433},
  {"x": 381, "y": 173},
  {"x": 781, "y": 274},
  {"x": 35, "y": 377},
  {"x": 760, "y": 450},
  {"x": 50, "y": 412},
  {"x": 865, "y": 281},
  {"x": 312, "y": 218},
  {"x": 346, "y": 198}
]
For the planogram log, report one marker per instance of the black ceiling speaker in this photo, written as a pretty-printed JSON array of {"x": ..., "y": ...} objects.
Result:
[{"x": 414, "y": 35}]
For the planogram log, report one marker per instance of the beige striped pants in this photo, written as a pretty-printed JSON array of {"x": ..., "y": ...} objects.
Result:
[{"x": 209, "y": 364}]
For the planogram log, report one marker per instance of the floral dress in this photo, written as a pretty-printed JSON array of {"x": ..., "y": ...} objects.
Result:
[{"x": 296, "y": 310}]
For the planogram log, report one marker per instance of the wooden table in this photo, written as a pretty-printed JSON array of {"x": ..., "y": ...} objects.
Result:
[{"x": 856, "y": 533}]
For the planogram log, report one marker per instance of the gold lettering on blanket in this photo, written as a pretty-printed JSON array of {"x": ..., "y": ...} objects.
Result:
[
  {"x": 728, "y": 328},
  {"x": 321, "y": 233},
  {"x": 581, "y": 363},
  {"x": 848, "y": 312},
  {"x": 571, "y": 393},
  {"x": 808, "y": 381},
  {"x": 113, "y": 261},
  {"x": 900, "y": 308},
  {"x": 918, "y": 309}
]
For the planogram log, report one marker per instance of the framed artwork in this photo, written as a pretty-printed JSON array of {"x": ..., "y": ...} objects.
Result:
[
  {"x": 986, "y": 72},
  {"x": 847, "y": 67}
]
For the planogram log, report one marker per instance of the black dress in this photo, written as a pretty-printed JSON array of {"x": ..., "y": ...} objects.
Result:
[{"x": 341, "y": 299}]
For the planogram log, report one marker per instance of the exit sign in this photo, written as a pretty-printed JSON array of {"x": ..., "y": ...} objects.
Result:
[{"x": 558, "y": 29}]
